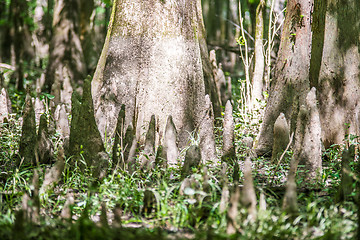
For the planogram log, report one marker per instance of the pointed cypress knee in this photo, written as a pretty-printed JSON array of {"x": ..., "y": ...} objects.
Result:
[
  {"x": 148, "y": 157},
  {"x": 127, "y": 142},
  {"x": 131, "y": 160},
  {"x": 73, "y": 147},
  {"x": 206, "y": 133},
  {"x": 228, "y": 135},
  {"x": 53, "y": 175},
  {"x": 290, "y": 205},
  {"x": 28, "y": 134},
  {"x": 62, "y": 121},
  {"x": 192, "y": 160},
  {"x": 281, "y": 137},
  {"x": 232, "y": 213},
  {"x": 224, "y": 201},
  {"x": 160, "y": 159},
  {"x": 248, "y": 191},
  {"x": 170, "y": 149},
  {"x": 5, "y": 105},
  {"x": 44, "y": 146},
  {"x": 85, "y": 137},
  {"x": 39, "y": 108},
  {"x": 118, "y": 148}
]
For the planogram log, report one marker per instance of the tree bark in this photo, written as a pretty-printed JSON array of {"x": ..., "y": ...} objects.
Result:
[
  {"x": 20, "y": 40},
  {"x": 66, "y": 58},
  {"x": 291, "y": 77},
  {"x": 152, "y": 62},
  {"x": 259, "y": 65},
  {"x": 326, "y": 57},
  {"x": 335, "y": 67}
]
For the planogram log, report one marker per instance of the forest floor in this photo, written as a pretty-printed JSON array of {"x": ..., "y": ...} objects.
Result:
[{"x": 155, "y": 205}]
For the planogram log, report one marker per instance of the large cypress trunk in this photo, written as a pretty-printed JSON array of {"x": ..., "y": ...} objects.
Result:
[{"x": 152, "y": 62}]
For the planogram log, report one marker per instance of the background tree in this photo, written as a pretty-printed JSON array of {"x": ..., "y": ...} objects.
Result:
[
  {"x": 20, "y": 37},
  {"x": 290, "y": 82},
  {"x": 66, "y": 58},
  {"x": 320, "y": 55},
  {"x": 335, "y": 67}
]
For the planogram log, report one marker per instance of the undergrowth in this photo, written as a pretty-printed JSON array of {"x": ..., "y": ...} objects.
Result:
[{"x": 174, "y": 215}]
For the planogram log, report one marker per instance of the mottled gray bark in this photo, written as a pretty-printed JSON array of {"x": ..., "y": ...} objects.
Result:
[
  {"x": 325, "y": 56},
  {"x": 119, "y": 147},
  {"x": 229, "y": 154},
  {"x": 290, "y": 204},
  {"x": 281, "y": 137},
  {"x": 206, "y": 133},
  {"x": 152, "y": 62},
  {"x": 44, "y": 146},
  {"x": 85, "y": 140},
  {"x": 290, "y": 83},
  {"x": 307, "y": 149},
  {"x": 171, "y": 150},
  {"x": 248, "y": 195},
  {"x": 232, "y": 213},
  {"x": 39, "y": 35},
  {"x": 192, "y": 160},
  {"x": 335, "y": 67},
  {"x": 259, "y": 64},
  {"x": 5, "y": 105}
]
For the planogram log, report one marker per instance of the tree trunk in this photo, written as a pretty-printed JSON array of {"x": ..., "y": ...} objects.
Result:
[
  {"x": 327, "y": 58},
  {"x": 259, "y": 65},
  {"x": 21, "y": 40},
  {"x": 335, "y": 67},
  {"x": 290, "y": 83},
  {"x": 152, "y": 62},
  {"x": 66, "y": 60},
  {"x": 3, "y": 29},
  {"x": 39, "y": 35},
  {"x": 87, "y": 34}
]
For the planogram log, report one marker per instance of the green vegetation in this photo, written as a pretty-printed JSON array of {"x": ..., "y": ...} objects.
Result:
[{"x": 174, "y": 214}]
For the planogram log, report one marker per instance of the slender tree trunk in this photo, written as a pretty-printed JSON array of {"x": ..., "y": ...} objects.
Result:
[
  {"x": 152, "y": 62},
  {"x": 66, "y": 66},
  {"x": 259, "y": 68},
  {"x": 39, "y": 35},
  {"x": 16, "y": 33},
  {"x": 87, "y": 34},
  {"x": 3, "y": 28},
  {"x": 279, "y": 18},
  {"x": 234, "y": 33}
]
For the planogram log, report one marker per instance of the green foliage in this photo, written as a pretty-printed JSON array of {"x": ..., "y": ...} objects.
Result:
[{"x": 197, "y": 209}]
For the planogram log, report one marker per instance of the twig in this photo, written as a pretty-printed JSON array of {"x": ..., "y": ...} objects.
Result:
[
  {"x": 7, "y": 66},
  {"x": 283, "y": 154}
]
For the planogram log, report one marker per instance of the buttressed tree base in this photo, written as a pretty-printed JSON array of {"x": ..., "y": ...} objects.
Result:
[{"x": 152, "y": 62}]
